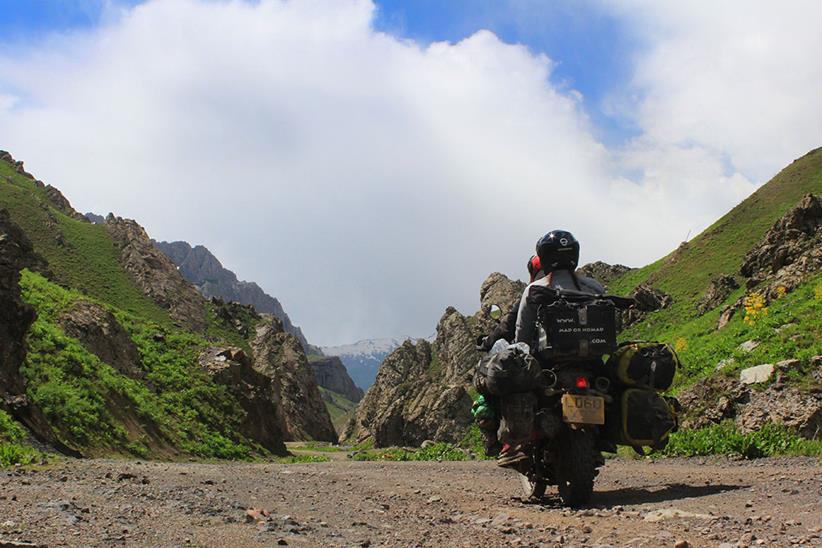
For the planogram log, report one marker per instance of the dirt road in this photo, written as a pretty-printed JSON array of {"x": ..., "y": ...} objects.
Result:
[{"x": 343, "y": 503}]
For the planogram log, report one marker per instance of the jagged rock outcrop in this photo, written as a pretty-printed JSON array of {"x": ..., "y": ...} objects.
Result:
[
  {"x": 332, "y": 375},
  {"x": 257, "y": 393},
  {"x": 720, "y": 397},
  {"x": 18, "y": 165},
  {"x": 279, "y": 356},
  {"x": 101, "y": 334},
  {"x": 95, "y": 219},
  {"x": 239, "y": 317},
  {"x": 16, "y": 316},
  {"x": 717, "y": 292},
  {"x": 420, "y": 392},
  {"x": 789, "y": 252},
  {"x": 200, "y": 267},
  {"x": 16, "y": 253},
  {"x": 648, "y": 299},
  {"x": 800, "y": 411},
  {"x": 62, "y": 204},
  {"x": 604, "y": 273},
  {"x": 155, "y": 275}
]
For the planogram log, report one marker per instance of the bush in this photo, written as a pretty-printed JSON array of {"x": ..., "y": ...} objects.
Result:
[
  {"x": 725, "y": 439},
  {"x": 435, "y": 452},
  {"x": 303, "y": 459}
]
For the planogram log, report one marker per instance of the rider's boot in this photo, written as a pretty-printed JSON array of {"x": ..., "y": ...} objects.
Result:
[
  {"x": 491, "y": 444},
  {"x": 512, "y": 456}
]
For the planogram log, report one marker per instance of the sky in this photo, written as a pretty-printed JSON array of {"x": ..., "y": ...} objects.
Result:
[{"x": 370, "y": 163}]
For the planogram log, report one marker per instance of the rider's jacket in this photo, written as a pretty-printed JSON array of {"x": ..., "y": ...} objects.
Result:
[{"x": 526, "y": 330}]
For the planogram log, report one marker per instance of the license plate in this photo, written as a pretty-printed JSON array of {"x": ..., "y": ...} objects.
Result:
[{"x": 583, "y": 409}]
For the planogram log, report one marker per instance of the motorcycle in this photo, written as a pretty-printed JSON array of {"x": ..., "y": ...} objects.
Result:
[{"x": 575, "y": 408}]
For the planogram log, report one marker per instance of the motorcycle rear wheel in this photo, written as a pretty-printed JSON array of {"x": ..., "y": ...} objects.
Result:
[{"x": 575, "y": 465}]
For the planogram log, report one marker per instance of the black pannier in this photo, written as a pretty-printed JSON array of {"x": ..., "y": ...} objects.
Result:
[
  {"x": 578, "y": 330},
  {"x": 507, "y": 372},
  {"x": 646, "y": 418},
  {"x": 647, "y": 364}
]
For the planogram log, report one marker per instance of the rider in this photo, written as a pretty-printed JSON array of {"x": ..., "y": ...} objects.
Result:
[
  {"x": 486, "y": 417},
  {"x": 558, "y": 254}
]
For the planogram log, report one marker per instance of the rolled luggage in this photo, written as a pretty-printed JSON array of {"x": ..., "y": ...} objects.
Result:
[{"x": 644, "y": 364}]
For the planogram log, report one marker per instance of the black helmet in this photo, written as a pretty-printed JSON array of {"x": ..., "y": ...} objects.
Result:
[{"x": 558, "y": 250}]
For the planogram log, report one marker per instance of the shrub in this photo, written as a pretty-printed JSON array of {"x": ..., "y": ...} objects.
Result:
[{"x": 725, "y": 439}]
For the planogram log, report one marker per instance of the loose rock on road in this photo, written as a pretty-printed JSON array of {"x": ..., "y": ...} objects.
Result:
[{"x": 636, "y": 503}]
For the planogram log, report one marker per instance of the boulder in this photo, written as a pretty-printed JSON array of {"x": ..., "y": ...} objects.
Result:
[
  {"x": 257, "y": 394},
  {"x": 757, "y": 374},
  {"x": 711, "y": 401},
  {"x": 604, "y": 273},
  {"x": 101, "y": 334},
  {"x": 749, "y": 346},
  {"x": 648, "y": 299},
  {"x": 718, "y": 290},
  {"x": 788, "y": 406}
]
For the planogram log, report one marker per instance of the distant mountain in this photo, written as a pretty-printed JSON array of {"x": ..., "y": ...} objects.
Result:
[
  {"x": 200, "y": 267},
  {"x": 363, "y": 358}
]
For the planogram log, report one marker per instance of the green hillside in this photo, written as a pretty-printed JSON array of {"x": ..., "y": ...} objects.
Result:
[
  {"x": 686, "y": 273},
  {"x": 173, "y": 409},
  {"x": 81, "y": 255},
  {"x": 339, "y": 407}
]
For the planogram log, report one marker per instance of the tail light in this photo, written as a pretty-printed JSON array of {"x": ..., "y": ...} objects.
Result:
[{"x": 582, "y": 383}]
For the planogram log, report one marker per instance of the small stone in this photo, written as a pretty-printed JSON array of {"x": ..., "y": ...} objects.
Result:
[
  {"x": 435, "y": 498},
  {"x": 682, "y": 544},
  {"x": 757, "y": 374},
  {"x": 748, "y": 346}
]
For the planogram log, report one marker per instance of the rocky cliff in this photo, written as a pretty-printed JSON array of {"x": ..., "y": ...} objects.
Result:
[
  {"x": 16, "y": 317},
  {"x": 279, "y": 356},
  {"x": 155, "y": 275},
  {"x": 422, "y": 390},
  {"x": 200, "y": 267},
  {"x": 332, "y": 374}
]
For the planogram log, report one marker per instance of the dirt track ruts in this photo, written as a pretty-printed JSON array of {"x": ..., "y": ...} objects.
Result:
[{"x": 343, "y": 503}]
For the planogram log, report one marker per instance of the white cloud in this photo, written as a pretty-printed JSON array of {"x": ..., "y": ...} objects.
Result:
[
  {"x": 364, "y": 180},
  {"x": 741, "y": 79}
]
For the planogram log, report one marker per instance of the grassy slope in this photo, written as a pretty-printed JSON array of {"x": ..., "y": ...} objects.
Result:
[
  {"x": 340, "y": 408},
  {"x": 90, "y": 405},
  {"x": 686, "y": 273},
  {"x": 96, "y": 410},
  {"x": 89, "y": 261}
]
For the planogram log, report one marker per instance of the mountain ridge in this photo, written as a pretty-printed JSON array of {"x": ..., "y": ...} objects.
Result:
[{"x": 201, "y": 267}]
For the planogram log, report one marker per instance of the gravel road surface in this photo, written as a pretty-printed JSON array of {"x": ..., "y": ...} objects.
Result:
[{"x": 707, "y": 502}]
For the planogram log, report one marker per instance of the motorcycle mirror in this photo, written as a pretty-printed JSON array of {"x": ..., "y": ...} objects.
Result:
[{"x": 495, "y": 312}]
